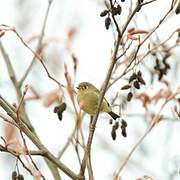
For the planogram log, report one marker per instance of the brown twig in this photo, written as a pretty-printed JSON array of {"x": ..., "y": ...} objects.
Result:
[
  {"x": 140, "y": 44},
  {"x": 39, "y": 44},
  {"x": 22, "y": 136},
  {"x": 155, "y": 120},
  {"x": 102, "y": 93},
  {"x": 38, "y": 144}
]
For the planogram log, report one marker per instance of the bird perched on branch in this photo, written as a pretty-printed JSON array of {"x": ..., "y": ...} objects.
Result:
[{"x": 88, "y": 97}]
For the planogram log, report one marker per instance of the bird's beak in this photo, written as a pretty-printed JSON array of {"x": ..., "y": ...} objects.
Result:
[{"x": 77, "y": 87}]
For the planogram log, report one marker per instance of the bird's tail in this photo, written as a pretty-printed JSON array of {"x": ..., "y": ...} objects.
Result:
[{"x": 113, "y": 115}]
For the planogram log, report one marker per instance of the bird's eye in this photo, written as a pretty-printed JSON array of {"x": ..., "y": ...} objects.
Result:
[{"x": 84, "y": 87}]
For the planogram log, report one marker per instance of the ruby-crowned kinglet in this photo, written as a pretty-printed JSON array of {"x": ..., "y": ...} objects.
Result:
[{"x": 88, "y": 96}]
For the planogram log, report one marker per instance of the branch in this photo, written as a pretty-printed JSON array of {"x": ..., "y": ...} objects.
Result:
[
  {"x": 157, "y": 118},
  {"x": 37, "y": 142},
  {"x": 141, "y": 43},
  {"x": 31, "y": 152},
  {"x": 102, "y": 93},
  {"x": 38, "y": 44}
]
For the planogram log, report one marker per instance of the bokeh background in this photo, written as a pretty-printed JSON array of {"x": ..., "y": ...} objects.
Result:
[{"x": 158, "y": 156}]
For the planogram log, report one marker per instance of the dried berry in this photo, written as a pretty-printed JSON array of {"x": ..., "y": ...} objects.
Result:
[
  {"x": 136, "y": 85},
  {"x": 156, "y": 67},
  {"x": 129, "y": 96},
  {"x": 153, "y": 53},
  {"x": 104, "y": 13},
  {"x": 178, "y": 34},
  {"x": 20, "y": 177},
  {"x": 107, "y": 22},
  {"x": 139, "y": 73},
  {"x": 124, "y": 123},
  {"x": 141, "y": 80},
  {"x": 127, "y": 86},
  {"x": 157, "y": 61},
  {"x": 140, "y": 1},
  {"x": 167, "y": 66},
  {"x": 110, "y": 121},
  {"x": 116, "y": 10},
  {"x": 160, "y": 75},
  {"x": 178, "y": 99},
  {"x": 177, "y": 11},
  {"x": 132, "y": 77},
  {"x": 116, "y": 125},
  {"x": 14, "y": 175},
  {"x": 123, "y": 132},
  {"x": 119, "y": 9},
  {"x": 113, "y": 134},
  {"x": 113, "y": 11},
  {"x": 60, "y": 109}
]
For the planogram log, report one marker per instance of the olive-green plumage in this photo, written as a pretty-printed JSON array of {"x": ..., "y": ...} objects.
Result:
[{"x": 88, "y": 96}]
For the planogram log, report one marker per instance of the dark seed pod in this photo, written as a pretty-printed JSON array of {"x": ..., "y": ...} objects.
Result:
[
  {"x": 124, "y": 123},
  {"x": 119, "y": 9},
  {"x": 139, "y": 73},
  {"x": 164, "y": 71},
  {"x": 123, "y": 132},
  {"x": 167, "y": 66},
  {"x": 178, "y": 34},
  {"x": 141, "y": 80},
  {"x": 110, "y": 121},
  {"x": 157, "y": 61},
  {"x": 14, "y": 175},
  {"x": 20, "y": 177},
  {"x": 127, "y": 86},
  {"x": 178, "y": 99},
  {"x": 160, "y": 75},
  {"x": 156, "y": 67},
  {"x": 132, "y": 77},
  {"x": 104, "y": 13},
  {"x": 60, "y": 109},
  {"x": 177, "y": 11},
  {"x": 114, "y": 11},
  {"x": 136, "y": 85},
  {"x": 139, "y": 8},
  {"x": 116, "y": 125},
  {"x": 140, "y": 1},
  {"x": 107, "y": 22},
  {"x": 153, "y": 53},
  {"x": 59, "y": 113},
  {"x": 113, "y": 134},
  {"x": 129, "y": 96}
]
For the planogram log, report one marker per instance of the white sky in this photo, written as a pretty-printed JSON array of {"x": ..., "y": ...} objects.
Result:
[{"x": 92, "y": 46}]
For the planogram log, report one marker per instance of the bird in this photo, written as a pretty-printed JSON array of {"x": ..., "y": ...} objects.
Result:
[{"x": 88, "y": 97}]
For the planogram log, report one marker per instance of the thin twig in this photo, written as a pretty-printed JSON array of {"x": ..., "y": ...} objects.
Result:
[
  {"x": 39, "y": 44},
  {"x": 102, "y": 93},
  {"x": 38, "y": 144},
  {"x": 140, "y": 44},
  {"x": 24, "y": 141},
  {"x": 155, "y": 120}
]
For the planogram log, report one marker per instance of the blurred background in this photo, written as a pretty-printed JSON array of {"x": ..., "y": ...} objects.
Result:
[{"x": 75, "y": 27}]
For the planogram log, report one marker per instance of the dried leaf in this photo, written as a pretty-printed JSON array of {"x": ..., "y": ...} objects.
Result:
[
  {"x": 129, "y": 96},
  {"x": 51, "y": 97},
  {"x": 10, "y": 132},
  {"x": 127, "y": 86},
  {"x": 131, "y": 30}
]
